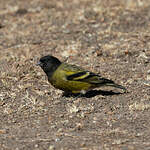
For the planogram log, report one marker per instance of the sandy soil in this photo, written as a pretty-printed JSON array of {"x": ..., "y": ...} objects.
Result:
[{"x": 109, "y": 37}]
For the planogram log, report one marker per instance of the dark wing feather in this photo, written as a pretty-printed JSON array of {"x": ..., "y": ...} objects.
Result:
[
  {"x": 89, "y": 77},
  {"x": 77, "y": 76},
  {"x": 75, "y": 73}
]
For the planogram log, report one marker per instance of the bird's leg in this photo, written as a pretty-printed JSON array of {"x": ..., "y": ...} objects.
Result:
[
  {"x": 79, "y": 94},
  {"x": 74, "y": 95}
]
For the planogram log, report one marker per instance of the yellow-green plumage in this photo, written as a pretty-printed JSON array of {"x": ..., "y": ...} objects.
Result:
[
  {"x": 59, "y": 80},
  {"x": 71, "y": 78}
]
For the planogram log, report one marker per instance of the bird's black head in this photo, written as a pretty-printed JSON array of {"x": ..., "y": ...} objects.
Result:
[{"x": 49, "y": 64}]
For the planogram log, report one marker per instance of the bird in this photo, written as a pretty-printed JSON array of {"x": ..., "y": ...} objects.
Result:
[{"x": 71, "y": 78}]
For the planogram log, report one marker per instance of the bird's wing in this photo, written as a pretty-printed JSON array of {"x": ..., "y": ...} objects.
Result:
[
  {"x": 75, "y": 73},
  {"x": 89, "y": 77},
  {"x": 70, "y": 69},
  {"x": 80, "y": 76}
]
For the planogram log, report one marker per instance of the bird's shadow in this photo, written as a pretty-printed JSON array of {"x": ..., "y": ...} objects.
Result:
[{"x": 92, "y": 93}]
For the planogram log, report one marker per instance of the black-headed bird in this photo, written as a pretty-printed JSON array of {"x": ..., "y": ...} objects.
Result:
[{"x": 71, "y": 78}]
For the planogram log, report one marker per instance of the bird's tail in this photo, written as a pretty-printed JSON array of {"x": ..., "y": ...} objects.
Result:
[{"x": 117, "y": 86}]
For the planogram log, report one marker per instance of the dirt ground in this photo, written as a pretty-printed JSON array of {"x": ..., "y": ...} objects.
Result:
[{"x": 109, "y": 37}]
